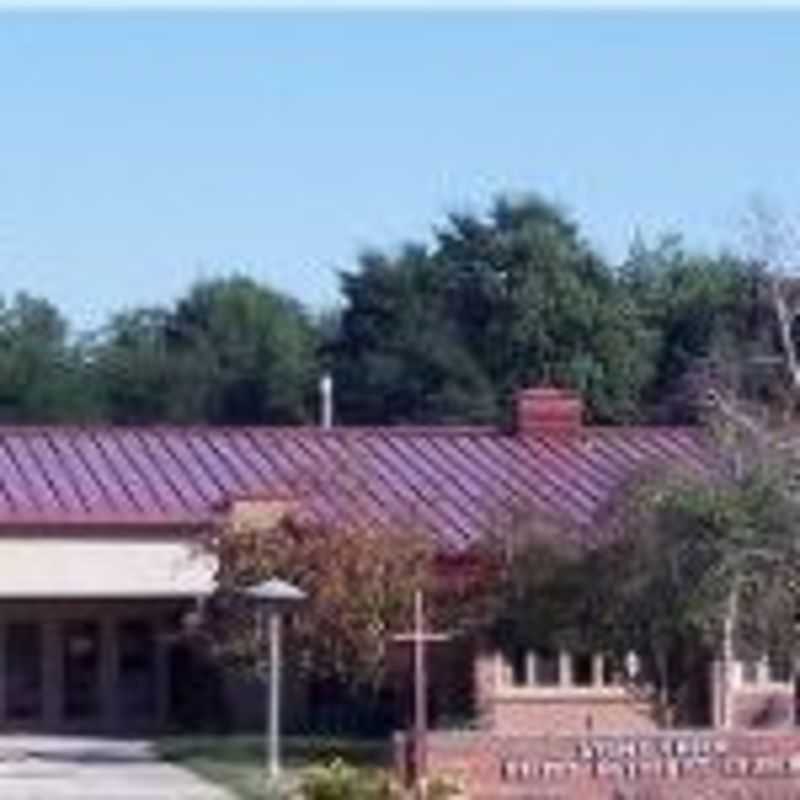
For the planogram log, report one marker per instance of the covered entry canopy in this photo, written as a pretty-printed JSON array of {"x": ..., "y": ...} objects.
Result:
[{"x": 108, "y": 568}]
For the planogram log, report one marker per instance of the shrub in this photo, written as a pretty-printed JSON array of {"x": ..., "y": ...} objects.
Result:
[
  {"x": 440, "y": 788},
  {"x": 340, "y": 781}
]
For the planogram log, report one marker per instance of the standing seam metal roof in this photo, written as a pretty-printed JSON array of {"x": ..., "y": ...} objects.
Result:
[{"x": 452, "y": 481}]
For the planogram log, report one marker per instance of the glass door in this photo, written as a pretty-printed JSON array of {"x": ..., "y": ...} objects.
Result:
[
  {"x": 137, "y": 669},
  {"x": 81, "y": 695},
  {"x": 23, "y": 678}
]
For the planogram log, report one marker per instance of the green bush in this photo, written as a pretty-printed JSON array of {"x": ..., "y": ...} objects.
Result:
[
  {"x": 340, "y": 781},
  {"x": 440, "y": 788}
]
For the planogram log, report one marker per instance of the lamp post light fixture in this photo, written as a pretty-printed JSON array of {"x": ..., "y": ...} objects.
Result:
[{"x": 273, "y": 598}]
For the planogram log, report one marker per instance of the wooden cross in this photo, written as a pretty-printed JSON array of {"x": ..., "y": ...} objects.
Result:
[{"x": 419, "y": 637}]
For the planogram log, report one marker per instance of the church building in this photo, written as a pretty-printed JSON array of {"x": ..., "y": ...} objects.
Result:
[{"x": 101, "y": 554}]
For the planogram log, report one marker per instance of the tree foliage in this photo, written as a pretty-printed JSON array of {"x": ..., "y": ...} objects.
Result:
[
  {"x": 43, "y": 375},
  {"x": 360, "y": 583},
  {"x": 398, "y": 355},
  {"x": 537, "y": 304},
  {"x": 138, "y": 378},
  {"x": 514, "y": 299},
  {"x": 518, "y": 297},
  {"x": 437, "y": 333},
  {"x": 704, "y": 314},
  {"x": 691, "y": 550},
  {"x": 677, "y": 547},
  {"x": 230, "y": 351}
]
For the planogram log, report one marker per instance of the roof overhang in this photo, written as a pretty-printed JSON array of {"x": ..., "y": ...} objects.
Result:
[{"x": 103, "y": 568}]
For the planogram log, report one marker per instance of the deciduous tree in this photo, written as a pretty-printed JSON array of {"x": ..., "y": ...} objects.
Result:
[
  {"x": 360, "y": 582},
  {"x": 43, "y": 372},
  {"x": 514, "y": 298},
  {"x": 230, "y": 352}
]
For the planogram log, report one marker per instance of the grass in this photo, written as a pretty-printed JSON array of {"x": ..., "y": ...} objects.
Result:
[{"x": 237, "y": 762}]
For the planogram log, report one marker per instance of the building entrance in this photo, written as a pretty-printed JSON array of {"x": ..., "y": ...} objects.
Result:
[{"x": 83, "y": 667}]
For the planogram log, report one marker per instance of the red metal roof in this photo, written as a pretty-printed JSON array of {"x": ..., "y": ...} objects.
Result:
[{"x": 454, "y": 482}]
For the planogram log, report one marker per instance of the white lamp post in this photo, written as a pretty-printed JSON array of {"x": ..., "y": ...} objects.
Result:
[{"x": 273, "y": 598}]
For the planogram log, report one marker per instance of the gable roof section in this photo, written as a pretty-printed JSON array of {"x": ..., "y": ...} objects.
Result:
[{"x": 450, "y": 481}]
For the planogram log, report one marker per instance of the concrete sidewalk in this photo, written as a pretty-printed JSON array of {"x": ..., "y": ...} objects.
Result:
[{"x": 84, "y": 768}]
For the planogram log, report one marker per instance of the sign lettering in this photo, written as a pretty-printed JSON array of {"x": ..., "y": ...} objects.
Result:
[{"x": 669, "y": 758}]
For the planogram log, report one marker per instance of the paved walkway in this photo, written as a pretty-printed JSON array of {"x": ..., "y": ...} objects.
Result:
[{"x": 78, "y": 768}]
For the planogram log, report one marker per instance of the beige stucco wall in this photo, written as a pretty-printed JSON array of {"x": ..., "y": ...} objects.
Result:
[
  {"x": 51, "y": 577},
  {"x": 110, "y": 566}
]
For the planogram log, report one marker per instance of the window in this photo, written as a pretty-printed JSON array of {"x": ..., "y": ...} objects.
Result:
[
  {"x": 81, "y": 664},
  {"x": 137, "y": 668},
  {"x": 749, "y": 671},
  {"x": 582, "y": 669},
  {"x": 548, "y": 670},
  {"x": 519, "y": 674},
  {"x": 780, "y": 668},
  {"x": 23, "y": 671},
  {"x": 612, "y": 672}
]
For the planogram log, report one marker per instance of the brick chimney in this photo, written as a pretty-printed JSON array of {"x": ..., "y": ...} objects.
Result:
[{"x": 547, "y": 410}]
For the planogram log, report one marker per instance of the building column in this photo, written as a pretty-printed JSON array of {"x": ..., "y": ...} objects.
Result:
[
  {"x": 724, "y": 677},
  {"x": 725, "y": 671},
  {"x": 598, "y": 664},
  {"x": 161, "y": 631},
  {"x": 109, "y": 672},
  {"x": 52, "y": 673},
  {"x": 3, "y": 672},
  {"x": 485, "y": 686},
  {"x": 530, "y": 668},
  {"x": 565, "y": 669},
  {"x": 762, "y": 670},
  {"x": 503, "y": 676}
]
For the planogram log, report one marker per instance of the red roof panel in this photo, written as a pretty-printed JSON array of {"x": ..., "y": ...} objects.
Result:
[{"x": 452, "y": 481}]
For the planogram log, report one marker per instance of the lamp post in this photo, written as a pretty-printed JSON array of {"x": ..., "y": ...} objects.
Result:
[
  {"x": 796, "y": 670},
  {"x": 273, "y": 598}
]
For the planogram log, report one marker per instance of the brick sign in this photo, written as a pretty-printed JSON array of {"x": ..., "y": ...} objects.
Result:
[
  {"x": 643, "y": 758},
  {"x": 652, "y": 766}
]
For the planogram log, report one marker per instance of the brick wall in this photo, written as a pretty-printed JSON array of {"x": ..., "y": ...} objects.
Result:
[
  {"x": 670, "y": 765},
  {"x": 507, "y": 709},
  {"x": 485, "y": 679},
  {"x": 769, "y": 706},
  {"x": 559, "y": 712},
  {"x": 757, "y": 703}
]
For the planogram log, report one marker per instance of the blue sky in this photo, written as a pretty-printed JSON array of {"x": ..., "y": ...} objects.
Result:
[{"x": 141, "y": 151}]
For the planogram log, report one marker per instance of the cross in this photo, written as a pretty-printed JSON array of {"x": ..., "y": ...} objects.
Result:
[{"x": 419, "y": 637}]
